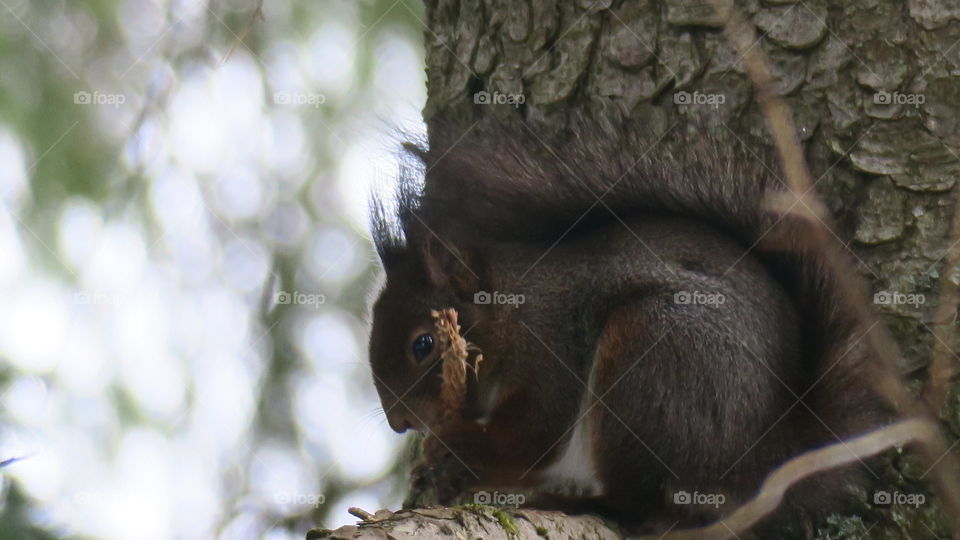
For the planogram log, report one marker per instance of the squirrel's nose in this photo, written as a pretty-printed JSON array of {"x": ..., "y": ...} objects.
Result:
[{"x": 398, "y": 422}]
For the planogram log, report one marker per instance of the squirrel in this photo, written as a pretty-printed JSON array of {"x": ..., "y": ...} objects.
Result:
[{"x": 652, "y": 329}]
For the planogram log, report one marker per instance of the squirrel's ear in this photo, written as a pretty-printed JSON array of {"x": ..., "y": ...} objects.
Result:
[{"x": 449, "y": 264}]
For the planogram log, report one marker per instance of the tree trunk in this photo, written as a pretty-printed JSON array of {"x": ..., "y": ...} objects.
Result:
[{"x": 874, "y": 89}]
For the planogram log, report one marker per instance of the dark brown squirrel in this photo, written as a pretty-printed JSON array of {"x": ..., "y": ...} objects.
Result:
[{"x": 651, "y": 328}]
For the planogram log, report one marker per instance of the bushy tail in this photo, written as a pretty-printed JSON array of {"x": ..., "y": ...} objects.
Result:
[{"x": 514, "y": 185}]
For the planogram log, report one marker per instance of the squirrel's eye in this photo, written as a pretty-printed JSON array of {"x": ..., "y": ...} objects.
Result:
[{"x": 422, "y": 346}]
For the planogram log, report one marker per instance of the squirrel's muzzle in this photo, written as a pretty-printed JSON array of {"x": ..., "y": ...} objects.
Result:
[
  {"x": 400, "y": 418},
  {"x": 398, "y": 424}
]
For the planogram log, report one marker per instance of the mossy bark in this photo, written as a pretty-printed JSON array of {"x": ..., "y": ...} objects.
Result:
[{"x": 473, "y": 522}]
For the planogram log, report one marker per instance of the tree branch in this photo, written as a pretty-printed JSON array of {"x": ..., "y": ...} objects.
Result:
[{"x": 472, "y": 521}]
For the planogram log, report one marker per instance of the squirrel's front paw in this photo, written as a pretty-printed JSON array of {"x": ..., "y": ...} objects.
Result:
[
  {"x": 433, "y": 449},
  {"x": 439, "y": 476}
]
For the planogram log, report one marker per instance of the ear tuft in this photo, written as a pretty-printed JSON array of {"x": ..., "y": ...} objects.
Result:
[
  {"x": 392, "y": 214},
  {"x": 387, "y": 234}
]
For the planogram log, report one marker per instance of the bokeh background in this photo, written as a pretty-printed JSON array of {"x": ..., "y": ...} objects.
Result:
[{"x": 185, "y": 266}]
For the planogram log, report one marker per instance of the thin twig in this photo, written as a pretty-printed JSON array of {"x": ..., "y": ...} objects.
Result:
[
  {"x": 10, "y": 461},
  {"x": 360, "y": 513},
  {"x": 775, "y": 486}
]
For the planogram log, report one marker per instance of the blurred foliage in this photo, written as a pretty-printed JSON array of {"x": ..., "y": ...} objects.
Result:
[
  {"x": 182, "y": 233},
  {"x": 15, "y": 523}
]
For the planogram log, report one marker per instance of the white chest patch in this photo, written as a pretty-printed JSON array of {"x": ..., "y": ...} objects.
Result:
[{"x": 576, "y": 463}]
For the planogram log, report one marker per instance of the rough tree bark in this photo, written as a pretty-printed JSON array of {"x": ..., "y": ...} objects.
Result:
[{"x": 874, "y": 88}]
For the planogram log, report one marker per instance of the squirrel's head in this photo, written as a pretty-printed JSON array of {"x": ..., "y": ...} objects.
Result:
[{"x": 424, "y": 275}]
